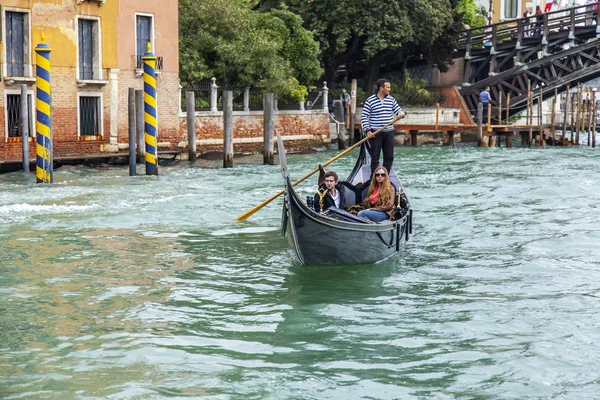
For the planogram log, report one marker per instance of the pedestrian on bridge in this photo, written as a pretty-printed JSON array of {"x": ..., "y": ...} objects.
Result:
[
  {"x": 484, "y": 99},
  {"x": 539, "y": 17}
]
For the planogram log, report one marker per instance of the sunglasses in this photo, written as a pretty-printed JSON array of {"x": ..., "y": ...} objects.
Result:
[{"x": 379, "y": 174}]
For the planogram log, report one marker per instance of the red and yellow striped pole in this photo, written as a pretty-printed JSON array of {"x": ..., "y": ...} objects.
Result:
[
  {"x": 150, "y": 112},
  {"x": 43, "y": 170}
]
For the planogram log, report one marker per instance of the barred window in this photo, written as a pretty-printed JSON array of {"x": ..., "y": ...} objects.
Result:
[
  {"x": 90, "y": 116},
  {"x": 13, "y": 114}
]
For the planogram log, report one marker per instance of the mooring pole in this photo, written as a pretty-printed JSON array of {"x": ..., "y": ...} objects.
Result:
[
  {"x": 338, "y": 109},
  {"x": 594, "y": 122},
  {"x": 44, "y": 171},
  {"x": 190, "y": 109},
  {"x": 24, "y": 124},
  {"x": 553, "y": 119},
  {"x": 353, "y": 88},
  {"x": 269, "y": 128},
  {"x": 227, "y": 129},
  {"x": 530, "y": 112},
  {"x": 139, "y": 126},
  {"x": 566, "y": 115},
  {"x": 541, "y": 119},
  {"x": 480, "y": 139},
  {"x": 131, "y": 120},
  {"x": 150, "y": 134}
]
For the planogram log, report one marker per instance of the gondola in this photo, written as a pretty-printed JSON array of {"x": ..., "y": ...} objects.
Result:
[{"x": 336, "y": 236}]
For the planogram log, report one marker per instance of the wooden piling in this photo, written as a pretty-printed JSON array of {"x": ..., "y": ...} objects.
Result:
[
  {"x": 541, "y": 141},
  {"x": 24, "y": 125},
  {"x": 413, "y": 137},
  {"x": 131, "y": 122},
  {"x": 594, "y": 122},
  {"x": 353, "y": 87},
  {"x": 139, "y": 126},
  {"x": 190, "y": 110},
  {"x": 565, "y": 115},
  {"x": 530, "y": 112},
  {"x": 451, "y": 138},
  {"x": 482, "y": 141},
  {"x": 228, "y": 129},
  {"x": 500, "y": 108},
  {"x": 508, "y": 108},
  {"x": 588, "y": 107},
  {"x": 493, "y": 140},
  {"x": 338, "y": 112},
  {"x": 553, "y": 118},
  {"x": 573, "y": 104},
  {"x": 578, "y": 117},
  {"x": 509, "y": 140},
  {"x": 269, "y": 128},
  {"x": 437, "y": 115}
]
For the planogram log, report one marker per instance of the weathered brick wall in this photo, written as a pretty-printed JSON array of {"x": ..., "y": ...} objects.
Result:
[
  {"x": 167, "y": 97},
  {"x": 301, "y": 130},
  {"x": 66, "y": 141},
  {"x": 454, "y": 75}
]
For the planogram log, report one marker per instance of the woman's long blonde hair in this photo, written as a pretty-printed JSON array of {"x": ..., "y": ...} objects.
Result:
[{"x": 386, "y": 191}]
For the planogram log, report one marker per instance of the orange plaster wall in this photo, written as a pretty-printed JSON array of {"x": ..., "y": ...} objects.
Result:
[{"x": 166, "y": 31}]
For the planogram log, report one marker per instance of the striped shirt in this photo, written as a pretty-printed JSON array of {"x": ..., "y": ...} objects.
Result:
[{"x": 376, "y": 113}]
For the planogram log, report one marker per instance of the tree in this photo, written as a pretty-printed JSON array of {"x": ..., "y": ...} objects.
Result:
[
  {"x": 237, "y": 45},
  {"x": 376, "y": 33}
]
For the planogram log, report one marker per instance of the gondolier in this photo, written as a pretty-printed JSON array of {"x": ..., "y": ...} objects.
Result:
[{"x": 378, "y": 110}]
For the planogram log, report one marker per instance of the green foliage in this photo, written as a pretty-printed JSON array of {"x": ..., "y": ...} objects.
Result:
[
  {"x": 298, "y": 92},
  {"x": 471, "y": 14},
  {"x": 235, "y": 44},
  {"x": 412, "y": 92},
  {"x": 380, "y": 32}
]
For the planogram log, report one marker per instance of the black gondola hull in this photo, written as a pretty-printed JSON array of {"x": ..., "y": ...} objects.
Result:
[{"x": 320, "y": 240}]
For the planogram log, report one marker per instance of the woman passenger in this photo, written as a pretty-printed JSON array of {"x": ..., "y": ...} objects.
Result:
[{"x": 379, "y": 204}]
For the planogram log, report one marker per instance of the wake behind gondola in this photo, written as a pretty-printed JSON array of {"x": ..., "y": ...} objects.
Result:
[{"x": 337, "y": 236}]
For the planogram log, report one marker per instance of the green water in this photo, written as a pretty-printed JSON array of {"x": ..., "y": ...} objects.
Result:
[{"x": 114, "y": 287}]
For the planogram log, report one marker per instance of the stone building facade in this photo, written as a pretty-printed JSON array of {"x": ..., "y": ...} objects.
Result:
[{"x": 96, "y": 48}]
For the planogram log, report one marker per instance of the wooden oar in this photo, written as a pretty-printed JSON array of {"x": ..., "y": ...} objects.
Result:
[{"x": 343, "y": 153}]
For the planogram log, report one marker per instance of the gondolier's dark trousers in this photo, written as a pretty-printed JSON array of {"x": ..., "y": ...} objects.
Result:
[{"x": 385, "y": 141}]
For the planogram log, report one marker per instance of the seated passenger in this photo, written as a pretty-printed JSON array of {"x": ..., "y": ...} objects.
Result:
[
  {"x": 379, "y": 204},
  {"x": 329, "y": 193}
]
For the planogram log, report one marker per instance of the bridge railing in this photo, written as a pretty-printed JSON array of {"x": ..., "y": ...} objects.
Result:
[{"x": 530, "y": 28}]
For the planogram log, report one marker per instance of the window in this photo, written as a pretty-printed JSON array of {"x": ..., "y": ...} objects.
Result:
[
  {"x": 144, "y": 35},
  {"x": 17, "y": 44},
  {"x": 90, "y": 65},
  {"x": 90, "y": 114},
  {"x": 13, "y": 113},
  {"x": 511, "y": 9}
]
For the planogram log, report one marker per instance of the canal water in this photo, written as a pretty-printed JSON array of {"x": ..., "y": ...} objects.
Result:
[{"x": 114, "y": 287}]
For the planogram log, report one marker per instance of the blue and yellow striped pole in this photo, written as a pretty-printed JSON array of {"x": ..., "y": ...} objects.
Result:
[
  {"x": 43, "y": 169},
  {"x": 150, "y": 112}
]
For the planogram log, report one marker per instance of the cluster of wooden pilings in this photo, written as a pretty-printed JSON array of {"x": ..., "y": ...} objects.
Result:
[{"x": 579, "y": 111}]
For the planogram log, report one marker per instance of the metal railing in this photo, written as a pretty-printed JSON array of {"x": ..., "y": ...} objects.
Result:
[
  {"x": 139, "y": 63},
  {"x": 522, "y": 28}
]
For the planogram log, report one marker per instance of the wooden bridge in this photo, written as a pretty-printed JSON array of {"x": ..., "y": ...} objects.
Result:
[{"x": 523, "y": 54}]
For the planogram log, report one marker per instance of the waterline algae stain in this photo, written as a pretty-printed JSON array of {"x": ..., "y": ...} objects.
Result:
[{"x": 106, "y": 295}]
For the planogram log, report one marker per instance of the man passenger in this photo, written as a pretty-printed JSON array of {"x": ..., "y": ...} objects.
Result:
[{"x": 329, "y": 193}]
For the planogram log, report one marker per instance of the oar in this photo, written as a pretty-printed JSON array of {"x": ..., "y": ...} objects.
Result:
[{"x": 343, "y": 153}]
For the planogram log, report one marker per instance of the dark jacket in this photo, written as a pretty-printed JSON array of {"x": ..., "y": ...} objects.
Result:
[{"x": 328, "y": 200}]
